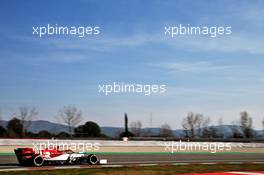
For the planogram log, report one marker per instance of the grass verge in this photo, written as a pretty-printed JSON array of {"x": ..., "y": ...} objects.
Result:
[{"x": 153, "y": 170}]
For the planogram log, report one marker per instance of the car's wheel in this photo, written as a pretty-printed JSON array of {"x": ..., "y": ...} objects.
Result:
[
  {"x": 38, "y": 161},
  {"x": 92, "y": 159}
]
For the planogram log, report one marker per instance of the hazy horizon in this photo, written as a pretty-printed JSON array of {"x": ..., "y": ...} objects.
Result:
[{"x": 218, "y": 77}]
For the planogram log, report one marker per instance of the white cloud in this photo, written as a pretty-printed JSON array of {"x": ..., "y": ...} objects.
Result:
[
  {"x": 201, "y": 66},
  {"x": 252, "y": 43},
  {"x": 235, "y": 43},
  {"x": 216, "y": 92}
]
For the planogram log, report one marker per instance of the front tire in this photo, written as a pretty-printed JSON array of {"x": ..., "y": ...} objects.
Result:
[{"x": 92, "y": 159}]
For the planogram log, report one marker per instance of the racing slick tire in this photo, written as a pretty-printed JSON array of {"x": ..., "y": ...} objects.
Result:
[
  {"x": 38, "y": 161},
  {"x": 92, "y": 159}
]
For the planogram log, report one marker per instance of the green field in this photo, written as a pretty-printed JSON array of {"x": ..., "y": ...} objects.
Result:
[{"x": 162, "y": 169}]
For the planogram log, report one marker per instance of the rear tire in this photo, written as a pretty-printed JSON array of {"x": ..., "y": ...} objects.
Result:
[{"x": 38, "y": 161}]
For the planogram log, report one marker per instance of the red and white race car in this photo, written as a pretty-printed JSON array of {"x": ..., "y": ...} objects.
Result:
[{"x": 28, "y": 156}]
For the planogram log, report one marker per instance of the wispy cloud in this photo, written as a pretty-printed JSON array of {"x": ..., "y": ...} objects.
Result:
[
  {"x": 237, "y": 43},
  {"x": 216, "y": 92},
  {"x": 201, "y": 66}
]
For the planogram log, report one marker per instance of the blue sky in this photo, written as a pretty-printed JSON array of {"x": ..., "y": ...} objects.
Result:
[{"x": 219, "y": 77}]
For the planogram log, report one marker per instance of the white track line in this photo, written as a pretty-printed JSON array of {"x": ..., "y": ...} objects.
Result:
[
  {"x": 14, "y": 169},
  {"x": 4, "y": 169}
]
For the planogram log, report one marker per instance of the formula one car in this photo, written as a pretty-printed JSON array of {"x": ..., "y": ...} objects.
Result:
[{"x": 28, "y": 157}]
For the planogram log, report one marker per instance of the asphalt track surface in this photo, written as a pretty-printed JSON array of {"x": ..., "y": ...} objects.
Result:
[{"x": 9, "y": 161}]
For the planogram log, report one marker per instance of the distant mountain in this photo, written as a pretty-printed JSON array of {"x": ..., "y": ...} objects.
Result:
[
  {"x": 3, "y": 123},
  {"x": 111, "y": 131},
  {"x": 39, "y": 125}
]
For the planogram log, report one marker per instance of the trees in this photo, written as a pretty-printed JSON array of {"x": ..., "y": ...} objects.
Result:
[
  {"x": 0, "y": 114},
  {"x": 246, "y": 124},
  {"x": 15, "y": 128},
  {"x": 196, "y": 125},
  {"x": 3, "y": 132},
  {"x": 71, "y": 116},
  {"x": 190, "y": 124},
  {"x": 221, "y": 132},
  {"x": 165, "y": 130},
  {"x": 2, "y": 129},
  {"x": 89, "y": 129},
  {"x": 44, "y": 134},
  {"x": 26, "y": 114},
  {"x": 263, "y": 126},
  {"x": 206, "y": 130},
  {"x": 236, "y": 132},
  {"x": 63, "y": 135},
  {"x": 126, "y": 123},
  {"x": 136, "y": 128},
  {"x": 126, "y": 133}
]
